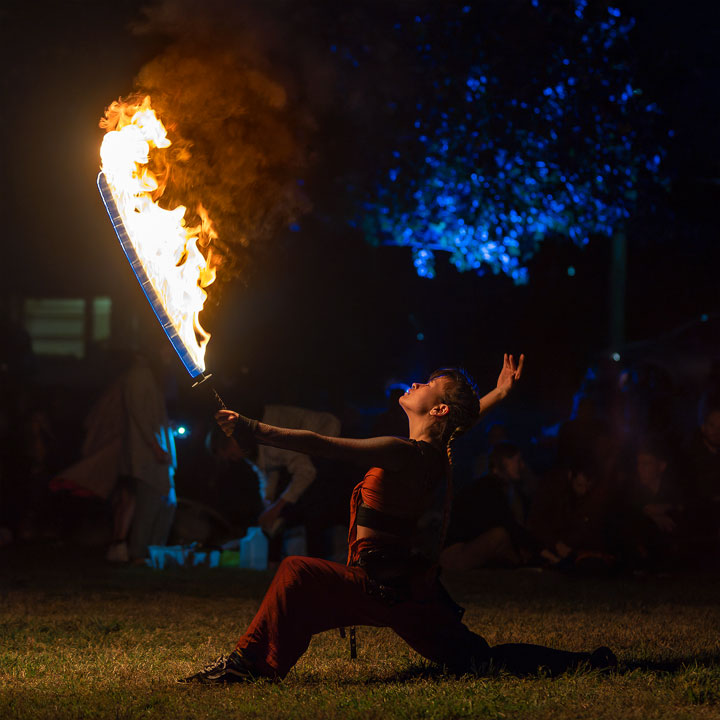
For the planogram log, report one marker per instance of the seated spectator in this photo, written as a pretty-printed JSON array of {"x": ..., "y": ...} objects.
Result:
[
  {"x": 569, "y": 519},
  {"x": 487, "y": 522},
  {"x": 587, "y": 438},
  {"x": 577, "y": 436},
  {"x": 648, "y": 400},
  {"x": 495, "y": 435},
  {"x": 652, "y": 511},
  {"x": 703, "y": 486}
]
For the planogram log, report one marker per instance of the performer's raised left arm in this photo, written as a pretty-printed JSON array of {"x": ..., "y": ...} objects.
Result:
[{"x": 509, "y": 375}]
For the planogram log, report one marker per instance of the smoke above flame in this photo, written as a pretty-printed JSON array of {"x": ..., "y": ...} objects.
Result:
[{"x": 238, "y": 146}]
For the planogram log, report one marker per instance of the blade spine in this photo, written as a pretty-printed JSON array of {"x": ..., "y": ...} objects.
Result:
[{"x": 143, "y": 279}]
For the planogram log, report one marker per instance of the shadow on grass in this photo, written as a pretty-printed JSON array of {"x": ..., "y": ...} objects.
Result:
[
  {"x": 422, "y": 671},
  {"x": 674, "y": 665},
  {"x": 425, "y": 671}
]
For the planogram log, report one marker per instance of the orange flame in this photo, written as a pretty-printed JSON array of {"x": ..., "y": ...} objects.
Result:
[{"x": 167, "y": 248}]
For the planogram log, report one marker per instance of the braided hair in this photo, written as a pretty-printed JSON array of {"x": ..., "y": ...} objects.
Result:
[{"x": 463, "y": 400}]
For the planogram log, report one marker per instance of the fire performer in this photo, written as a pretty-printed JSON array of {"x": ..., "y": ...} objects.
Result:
[{"x": 386, "y": 582}]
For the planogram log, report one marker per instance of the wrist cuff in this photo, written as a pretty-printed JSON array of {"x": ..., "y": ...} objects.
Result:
[{"x": 244, "y": 432}]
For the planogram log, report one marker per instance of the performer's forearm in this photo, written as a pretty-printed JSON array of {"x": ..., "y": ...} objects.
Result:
[
  {"x": 388, "y": 452},
  {"x": 490, "y": 400}
]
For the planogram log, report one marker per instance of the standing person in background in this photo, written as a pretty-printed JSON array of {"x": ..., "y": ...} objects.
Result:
[
  {"x": 128, "y": 458},
  {"x": 147, "y": 463}
]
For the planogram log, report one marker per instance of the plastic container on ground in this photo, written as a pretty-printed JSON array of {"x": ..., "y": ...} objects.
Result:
[
  {"x": 209, "y": 558},
  {"x": 254, "y": 550},
  {"x": 230, "y": 558},
  {"x": 165, "y": 556}
]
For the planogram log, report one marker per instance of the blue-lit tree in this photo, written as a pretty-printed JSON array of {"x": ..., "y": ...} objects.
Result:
[{"x": 526, "y": 124}]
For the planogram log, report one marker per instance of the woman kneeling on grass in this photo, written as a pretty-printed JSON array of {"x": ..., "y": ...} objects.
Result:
[{"x": 387, "y": 582}]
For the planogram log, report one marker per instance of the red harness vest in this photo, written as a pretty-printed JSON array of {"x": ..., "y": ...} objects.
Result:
[{"x": 401, "y": 496}]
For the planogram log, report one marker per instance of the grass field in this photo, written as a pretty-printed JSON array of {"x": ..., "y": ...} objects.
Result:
[{"x": 79, "y": 639}]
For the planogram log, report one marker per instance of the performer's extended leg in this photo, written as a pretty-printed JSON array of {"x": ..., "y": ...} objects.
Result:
[
  {"x": 309, "y": 595},
  {"x": 526, "y": 659}
]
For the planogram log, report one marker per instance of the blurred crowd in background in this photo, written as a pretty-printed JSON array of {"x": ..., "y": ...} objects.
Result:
[{"x": 628, "y": 481}]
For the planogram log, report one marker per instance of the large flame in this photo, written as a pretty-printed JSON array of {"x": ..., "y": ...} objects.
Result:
[{"x": 167, "y": 249}]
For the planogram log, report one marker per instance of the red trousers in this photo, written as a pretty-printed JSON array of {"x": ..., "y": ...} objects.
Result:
[{"x": 309, "y": 595}]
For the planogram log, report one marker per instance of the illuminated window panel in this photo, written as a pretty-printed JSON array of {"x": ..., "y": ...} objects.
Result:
[
  {"x": 57, "y": 326},
  {"x": 101, "y": 310}
]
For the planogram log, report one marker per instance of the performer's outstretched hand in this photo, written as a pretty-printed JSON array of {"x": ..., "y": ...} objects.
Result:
[
  {"x": 237, "y": 426},
  {"x": 510, "y": 373},
  {"x": 227, "y": 419}
]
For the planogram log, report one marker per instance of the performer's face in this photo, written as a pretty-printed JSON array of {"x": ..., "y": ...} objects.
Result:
[{"x": 421, "y": 398}]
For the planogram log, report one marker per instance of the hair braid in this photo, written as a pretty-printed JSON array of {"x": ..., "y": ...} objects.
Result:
[
  {"x": 463, "y": 401},
  {"x": 447, "y": 505},
  {"x": 456, "y": 433}
]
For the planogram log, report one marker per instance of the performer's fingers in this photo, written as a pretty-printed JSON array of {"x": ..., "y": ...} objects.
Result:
[
  {"x": 226, "y": 416},
  {"x": 521, "y": 362}
]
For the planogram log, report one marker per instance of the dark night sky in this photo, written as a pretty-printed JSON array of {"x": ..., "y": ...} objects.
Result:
[{"x": 64, "y": 62}]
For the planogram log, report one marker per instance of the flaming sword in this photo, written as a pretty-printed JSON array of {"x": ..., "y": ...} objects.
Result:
[{"x": 147, "y": 131}]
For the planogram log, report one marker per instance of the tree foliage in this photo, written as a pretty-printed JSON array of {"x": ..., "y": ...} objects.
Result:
[{"x": 526, "y": 123}]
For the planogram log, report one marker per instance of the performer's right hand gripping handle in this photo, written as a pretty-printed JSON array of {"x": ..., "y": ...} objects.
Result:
[{"x": 239, "y": 427}]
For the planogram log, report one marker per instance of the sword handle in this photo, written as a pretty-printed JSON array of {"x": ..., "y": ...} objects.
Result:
[
  {"x": 200, "y": 380},
  {"x": 219, "y": 400}
]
